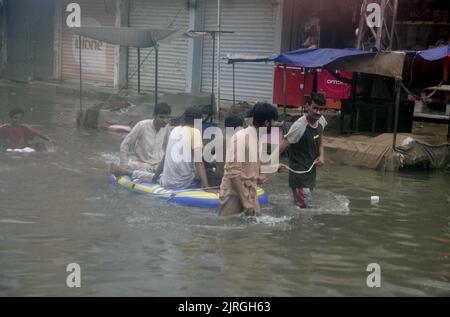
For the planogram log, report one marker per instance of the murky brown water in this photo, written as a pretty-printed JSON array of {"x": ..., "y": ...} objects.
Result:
[{"x": 57, "y": 208}]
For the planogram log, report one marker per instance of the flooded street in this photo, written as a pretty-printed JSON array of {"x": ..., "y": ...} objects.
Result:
[{"x": 58, "y": 208}]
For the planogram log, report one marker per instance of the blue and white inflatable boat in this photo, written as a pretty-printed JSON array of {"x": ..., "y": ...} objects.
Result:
[{"x": 195, "y": 197}]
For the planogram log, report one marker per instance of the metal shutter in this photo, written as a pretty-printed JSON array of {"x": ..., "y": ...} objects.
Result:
[
  {"x": 98, "y": 58},
  {"x": 253, "y": 22},
  {"x": 172, "y": 56}
]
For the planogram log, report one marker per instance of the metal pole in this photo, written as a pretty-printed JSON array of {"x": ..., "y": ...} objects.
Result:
[
  {"x": 139, "y": 69},
  {"x": 394, "y": 19},
  {"x": 218, "y": 58},
  {"x": 380, "y": 29},
  {"x": 304, "y": 88},
  {"x": 361, "y": 26},
  {"x": 397, "y": 107},
  {"x": 156, "y": 74},
  {"x": 234, "y": 86},
  {"x": 81, "y": 83},
  {"x": 212, "y": 78},
  {"x": 284, "y": 90}
]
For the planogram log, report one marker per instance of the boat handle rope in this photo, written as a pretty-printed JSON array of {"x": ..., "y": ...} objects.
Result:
[
  {"x": 283, "y": 165},
  {"x": 299, "y": 172}
]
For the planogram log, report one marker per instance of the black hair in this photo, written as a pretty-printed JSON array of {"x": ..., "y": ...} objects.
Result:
[
  {"x": 234, "y": 121},
  {"x": 192, "y": 113},
  {"x": 15, "y": 111},
  {"x": 262, "y": 112},
  {"x": 162, "y": 108},
  {"x": 317, "y": 98}
]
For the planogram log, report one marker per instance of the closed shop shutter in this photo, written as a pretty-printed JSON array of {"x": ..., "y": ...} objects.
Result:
[
  {"x": 172, "y": 58},
  {"x": 98, "y": 58},
  {"x": 254, "y": 24}
]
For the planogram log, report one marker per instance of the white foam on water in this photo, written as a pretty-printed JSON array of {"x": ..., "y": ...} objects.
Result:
[
  {"x": 51, "y": 148},
  {"x": 110, "y": 157},
  {"x": 93, "y": 214},
  {"x": 24, "y": 150},
  {"x": 220, "y": 227},
  {"x": 14, "y": 221},
  {"x": 115, "y": 158},
  {"x": 71, "y": 169},
  {"x": 269, "y": 220},
  {"x": 93, "y": 198},
  {"x": 328, "y": 203},
  {"x": 138, "y": 220},
  {"x": 324, "y": 202}
]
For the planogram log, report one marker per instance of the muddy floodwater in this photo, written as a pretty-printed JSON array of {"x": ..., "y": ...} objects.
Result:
[{"x": 58, "y": 208}]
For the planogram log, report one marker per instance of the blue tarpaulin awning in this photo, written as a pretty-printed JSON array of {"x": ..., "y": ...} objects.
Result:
[
  {"x": 315, "y": 57},
  {"x": 379, "y": 63},
  {"x": 383, "y": 63},
  {"x": 436, "y": 53}
]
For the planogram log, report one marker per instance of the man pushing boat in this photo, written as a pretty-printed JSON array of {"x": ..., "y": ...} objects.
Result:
[{"x": 238, "y": 191}]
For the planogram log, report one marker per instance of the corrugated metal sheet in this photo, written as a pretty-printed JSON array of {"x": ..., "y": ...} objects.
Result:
[
  {"x": 97, "y": 57},
  {"x": 254, "y": 23},
  {"x": 172, "y": 64}
]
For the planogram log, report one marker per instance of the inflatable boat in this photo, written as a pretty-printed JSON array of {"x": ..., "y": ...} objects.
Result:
[{"x": 194, "y": 197}]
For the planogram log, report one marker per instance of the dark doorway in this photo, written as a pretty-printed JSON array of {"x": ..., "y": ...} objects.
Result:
[{"x": 30, "y": 33}]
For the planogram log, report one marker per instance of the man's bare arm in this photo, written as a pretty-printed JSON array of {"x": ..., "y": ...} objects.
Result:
[
  {"x": 320, "y": 161},
  {"x": 201, "y": 172}
]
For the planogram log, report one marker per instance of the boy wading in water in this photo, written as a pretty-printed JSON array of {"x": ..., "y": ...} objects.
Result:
[{"x": 304, "y": 140}]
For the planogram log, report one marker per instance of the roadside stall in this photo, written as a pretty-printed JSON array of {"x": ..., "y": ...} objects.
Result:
[{"x": 400, "y": 67}]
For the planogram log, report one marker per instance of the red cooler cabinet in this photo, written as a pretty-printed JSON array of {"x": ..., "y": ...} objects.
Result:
[
  {"x": 333, "y": 89},
  {"x": 295, "y": 88}
]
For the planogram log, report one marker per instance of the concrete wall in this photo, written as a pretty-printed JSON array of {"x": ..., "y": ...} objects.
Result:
[
  {"x": 29, "y": 31},
  {"x": 2, "y": 38},
  {"x": 57, "y": 46},
  {"x": 121, "y": 67},
  {"x": 196, "y": 22}
]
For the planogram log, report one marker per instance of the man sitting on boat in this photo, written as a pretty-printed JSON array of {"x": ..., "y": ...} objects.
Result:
[
  {"x": 147, "y": 140},
  {"x": 183, "y": 165},
  {"x": 16, "y": 135}
]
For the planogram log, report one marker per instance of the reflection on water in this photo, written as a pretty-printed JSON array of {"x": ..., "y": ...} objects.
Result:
[{"x": 57, "y": 208}]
